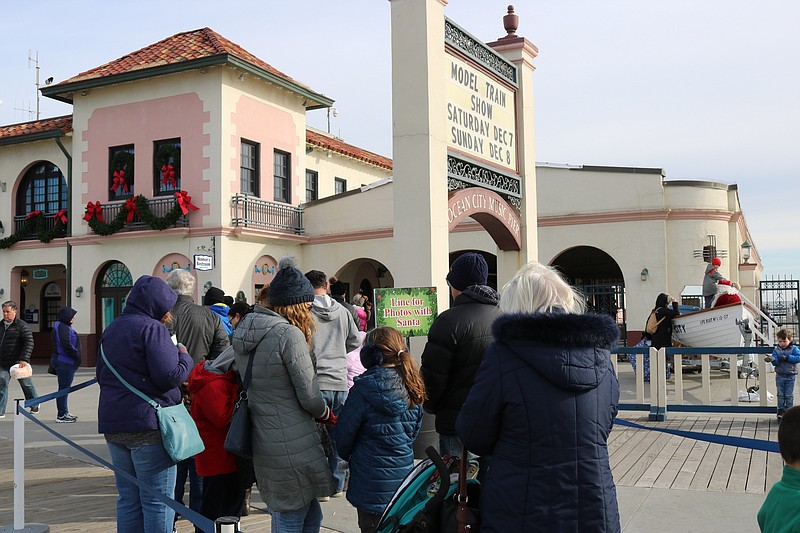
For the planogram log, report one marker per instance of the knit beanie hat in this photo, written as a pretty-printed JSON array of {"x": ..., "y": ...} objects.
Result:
[
  {"x": 468, "y": 269},
  {"x": 290, "y": 286},
  {"x": 716, "y": 261},
  {"x": 214, "y": 296}
]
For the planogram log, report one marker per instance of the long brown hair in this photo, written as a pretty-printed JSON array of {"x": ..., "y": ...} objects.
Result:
[
  {"x": 393, "y": 347},
  {"x": 298, "y": 315}
]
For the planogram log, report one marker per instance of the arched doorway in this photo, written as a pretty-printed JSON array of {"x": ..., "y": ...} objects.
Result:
[
  {"x": 113, "y": 285},
  {"x": 599, "y": 278},
  {"x": 50, "y": 304}
]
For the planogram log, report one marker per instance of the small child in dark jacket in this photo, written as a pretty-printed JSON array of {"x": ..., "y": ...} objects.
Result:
[
  {"x": 379, "y": 422},
  {"x": 781, "y": 510},
  {"x": 65, "y": 357},
  {"x": 784, "y": 358}
]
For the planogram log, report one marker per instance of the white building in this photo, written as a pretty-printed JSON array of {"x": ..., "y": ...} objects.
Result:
[{"x": 198, "y": 113}]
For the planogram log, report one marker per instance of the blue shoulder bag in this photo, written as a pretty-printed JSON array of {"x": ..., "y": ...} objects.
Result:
[{"x": 178, "y": 430}]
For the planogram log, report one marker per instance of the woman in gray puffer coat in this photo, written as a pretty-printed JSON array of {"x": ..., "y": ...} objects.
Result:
[{"x": 284, "y": 401}]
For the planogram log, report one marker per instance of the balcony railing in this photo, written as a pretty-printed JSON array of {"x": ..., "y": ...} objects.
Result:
[
  {"x": 158, "y": 207},
  {"x": 19, "y": 225},
  {"x": 250, "y": 212}
]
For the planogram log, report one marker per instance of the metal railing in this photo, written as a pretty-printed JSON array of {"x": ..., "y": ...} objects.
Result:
[
  {"x": 250, "y": 212},
  {"x": 158, "y": 207},
  {"x": 19, "y": 225},
  {"x": 743, "y": 365}
]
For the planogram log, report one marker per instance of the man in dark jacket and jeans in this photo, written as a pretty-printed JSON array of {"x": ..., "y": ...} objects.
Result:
[
  {"x": 196, "y": 327},
  {"x": 16, "y": 346},
  {"x": 456, "y": 342}
]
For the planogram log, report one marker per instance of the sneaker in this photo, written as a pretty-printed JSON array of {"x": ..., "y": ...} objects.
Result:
[
  {"x": 338, "y": 494},
  {"x": 324, "y": 499},
  {"x": 66, "y": 419},
  {"x": 3, "y": 415},
  {"x": 35, "y": 410}
]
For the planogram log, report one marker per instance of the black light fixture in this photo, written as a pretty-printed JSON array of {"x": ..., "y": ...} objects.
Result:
[
  {"x": 645, "y": 273},
  {"x": 23, "y": 278}
]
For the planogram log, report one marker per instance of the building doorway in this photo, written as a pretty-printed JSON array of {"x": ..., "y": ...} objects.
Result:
[{"x": 113, "y": 285}]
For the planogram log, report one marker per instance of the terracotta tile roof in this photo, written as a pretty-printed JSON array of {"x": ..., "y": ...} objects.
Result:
[
  {"x": 37, "y": 126},
  {"x": 181, "y": 47},
  {"x": 328, "y": 142}
]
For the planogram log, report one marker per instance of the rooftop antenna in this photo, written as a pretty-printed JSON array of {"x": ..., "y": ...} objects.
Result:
[
  {"x": 48, "y": 81},
  {"x": 331, "y": 110}
]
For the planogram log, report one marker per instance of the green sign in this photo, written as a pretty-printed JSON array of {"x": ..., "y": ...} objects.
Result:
[{"x": 411, "y": 310}]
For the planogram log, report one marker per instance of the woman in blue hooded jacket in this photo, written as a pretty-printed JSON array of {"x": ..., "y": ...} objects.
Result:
[
  {"x": 138, "y": 345},
  {"x": 65, "y": 356},
  {"x": 543, "y": 404},
  {"x": 378, "y": 424}
]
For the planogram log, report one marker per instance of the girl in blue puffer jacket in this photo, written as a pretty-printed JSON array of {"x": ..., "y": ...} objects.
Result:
[{"x": 378, "y": 424}]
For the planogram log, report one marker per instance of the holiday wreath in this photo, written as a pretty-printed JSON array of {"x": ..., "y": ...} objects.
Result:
[{"x": 168, "y": 163}]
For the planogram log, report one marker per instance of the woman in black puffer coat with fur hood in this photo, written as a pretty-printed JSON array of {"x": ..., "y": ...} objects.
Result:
[{"x": 542, "y": 406}]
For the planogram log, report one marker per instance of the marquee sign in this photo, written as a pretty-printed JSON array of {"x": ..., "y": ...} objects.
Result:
[{"x": 481, "y": 115}]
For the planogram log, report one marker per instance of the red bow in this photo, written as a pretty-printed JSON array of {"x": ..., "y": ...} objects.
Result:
[
  {"x": 119, "y": 181},
  {"x": 130, "y": 207},
  {"x": 168, "y": 174},
  {"x": 94, "y": 210},
  {"x": 185, "y": 202},
  {"x": 33, "y": 214},
  {"x": 61, "y": 216}
]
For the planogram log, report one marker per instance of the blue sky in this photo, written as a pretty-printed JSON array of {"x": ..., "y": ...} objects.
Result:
[{"x": 705, "y": 90}]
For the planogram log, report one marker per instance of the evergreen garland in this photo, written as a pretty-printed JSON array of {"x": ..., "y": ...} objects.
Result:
[
  {"x": 144, "y": 214},
  {"x": 37, "y": 224}
]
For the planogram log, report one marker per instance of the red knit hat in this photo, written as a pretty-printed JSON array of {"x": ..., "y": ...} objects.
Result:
[{"x": 716, "y": 261}]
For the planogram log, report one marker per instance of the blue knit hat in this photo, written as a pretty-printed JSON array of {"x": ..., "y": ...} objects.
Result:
[
  {"x": 468, "y": 269},
  {"x": 290, "y": 286}
]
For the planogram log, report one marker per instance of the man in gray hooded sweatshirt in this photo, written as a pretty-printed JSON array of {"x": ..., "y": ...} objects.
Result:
[{"x": 336, "y": 334}]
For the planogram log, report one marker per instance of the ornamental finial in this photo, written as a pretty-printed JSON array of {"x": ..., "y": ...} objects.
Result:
[{"x": 511, "y": 23}]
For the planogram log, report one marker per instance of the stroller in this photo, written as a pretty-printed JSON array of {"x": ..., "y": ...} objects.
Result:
[{"x": 435, "y": 498}]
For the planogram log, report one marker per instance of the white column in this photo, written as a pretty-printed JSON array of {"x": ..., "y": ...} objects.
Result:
[
  {"x": 419, "y": 145},
  {"x": 521, "y": 53}
]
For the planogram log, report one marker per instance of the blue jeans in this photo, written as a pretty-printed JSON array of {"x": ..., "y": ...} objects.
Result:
[
  {"x": 451, "y": 445},
  {"x": 785, "y": 386},
  {"x": 65, "y": 373},
  {"x": 186, "y": 468},
  {"x": 305, "y": 520},
  {"x": 138, "y": 511},
  {"x": 335, "y": 400},
  {"x": 5, "y": 382}
]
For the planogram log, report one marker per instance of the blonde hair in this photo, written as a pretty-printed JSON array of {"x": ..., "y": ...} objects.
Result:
[
  {"x": 393, "y": 347},
  {"x": 298, "y": 315},
  {"x": 537, "y": 288}
]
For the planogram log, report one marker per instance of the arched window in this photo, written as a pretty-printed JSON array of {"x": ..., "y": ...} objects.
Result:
[
  {"x": 113, "y": 285},
  {"x": 43, "y": 188}
]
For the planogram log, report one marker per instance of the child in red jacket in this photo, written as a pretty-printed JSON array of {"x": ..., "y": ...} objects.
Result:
[{"x": 214, "y": 386}]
